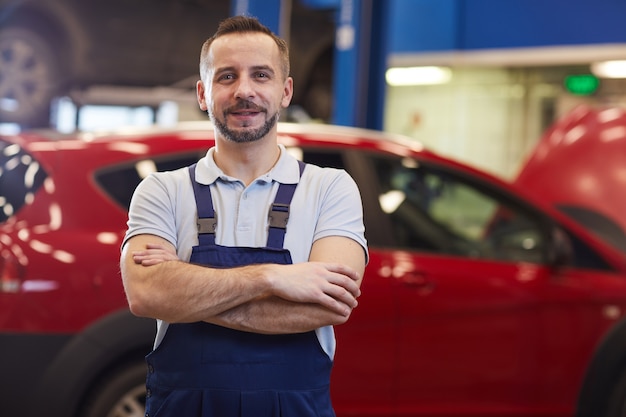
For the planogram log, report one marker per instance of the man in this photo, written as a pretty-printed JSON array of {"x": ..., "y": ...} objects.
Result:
[{"x": 245, "y": 326}]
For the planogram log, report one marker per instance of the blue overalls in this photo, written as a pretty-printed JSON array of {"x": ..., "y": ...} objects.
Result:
[{"x": 201, "y": 369}]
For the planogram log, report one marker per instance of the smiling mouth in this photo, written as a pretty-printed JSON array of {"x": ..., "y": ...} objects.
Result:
[
  {"x": 245, "y": 108},
  {"x": 245, "y": 113}
]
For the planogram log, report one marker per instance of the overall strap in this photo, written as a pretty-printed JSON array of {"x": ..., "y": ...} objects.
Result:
[
  {"x": 279, "y": 213},
  {"x": 207, "y": 220}
]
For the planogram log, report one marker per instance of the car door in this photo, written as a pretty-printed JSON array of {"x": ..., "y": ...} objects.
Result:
[
  {"x": 485, "y": 322},
  {"x": 438, "y": 329},
  {"x": 365, "y": 360}
]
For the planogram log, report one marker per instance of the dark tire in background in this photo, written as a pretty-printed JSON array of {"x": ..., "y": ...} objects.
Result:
[
  {"x": 30, "y": 75},
  {"x": 120, "y": 393},
  {"x": 617, "y": 400}
]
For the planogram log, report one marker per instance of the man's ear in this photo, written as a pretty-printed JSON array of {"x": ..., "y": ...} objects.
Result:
[
  {"x": 287, "y": 92},
  {"x": 201, "y": 96}
]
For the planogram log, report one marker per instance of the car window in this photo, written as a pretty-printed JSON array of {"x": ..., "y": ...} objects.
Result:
[
  {"x": 604, "y": 227},
  {"x": 20, "y": 177},
  {"x": 120, "y": 181},
  {"x": 320, "y": 157},
  {"x": 436, "y": 211}
]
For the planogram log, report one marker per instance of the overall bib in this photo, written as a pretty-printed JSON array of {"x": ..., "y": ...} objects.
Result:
[{"x": 201, "y": 369}]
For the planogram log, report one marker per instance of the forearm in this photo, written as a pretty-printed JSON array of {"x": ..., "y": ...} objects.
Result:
[
  {"x": 160, "y": 286},
  {"x": 176, "y": 291},
  {"x": 274, "y": 315}
]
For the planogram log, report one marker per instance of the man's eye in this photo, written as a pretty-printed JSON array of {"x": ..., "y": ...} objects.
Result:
[{"x": 227, "y": 77}]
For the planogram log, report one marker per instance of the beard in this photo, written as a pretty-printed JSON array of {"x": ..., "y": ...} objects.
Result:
[{"x": 244, "y": 135}]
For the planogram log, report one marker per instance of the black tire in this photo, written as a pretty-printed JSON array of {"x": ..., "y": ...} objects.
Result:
[
  {"x": 121, "y": 393},
  {"x": 617, "y": 401},
  {"x": 30, "y": 76}
]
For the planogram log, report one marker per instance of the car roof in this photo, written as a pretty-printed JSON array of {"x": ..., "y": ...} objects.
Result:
[
  {"x": 319, "y": 131},
  {"x": 96, "y": 149},
  {"x": 102, "y": 147},
  {"x": 154, "y": 140}
]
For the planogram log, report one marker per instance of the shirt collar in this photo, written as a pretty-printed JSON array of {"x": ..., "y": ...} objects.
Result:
[{"x": 286, "y": 170}]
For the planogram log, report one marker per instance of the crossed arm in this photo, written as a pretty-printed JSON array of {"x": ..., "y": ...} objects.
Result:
[{"x": 266, "y": 298}]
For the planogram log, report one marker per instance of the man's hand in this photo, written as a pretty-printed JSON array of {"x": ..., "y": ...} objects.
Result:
[
  {"x": 331, "y": 285},
  {"x": 154, "y": 254}
]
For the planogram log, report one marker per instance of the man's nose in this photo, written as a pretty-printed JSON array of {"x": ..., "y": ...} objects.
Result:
[{"x": 245, "y": 88}]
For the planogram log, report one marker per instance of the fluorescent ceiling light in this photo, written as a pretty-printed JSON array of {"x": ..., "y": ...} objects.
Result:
[
  {"x": 609, "y": 69},
  {"x": 418, "y": 76}
]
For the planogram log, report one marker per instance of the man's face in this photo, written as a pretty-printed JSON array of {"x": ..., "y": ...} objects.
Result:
[{"x": 244, "y": 88}]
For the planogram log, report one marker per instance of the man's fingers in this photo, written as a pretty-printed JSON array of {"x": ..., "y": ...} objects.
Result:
[
  {"x": 342, "y": 295},
  {"x": 346, "y": 283},
  {"x": 336, "y": 306},
  {"x": 154, "y": 254},
  {"x": 331, "y": 285},
  {"x": 344, "y": 270}
]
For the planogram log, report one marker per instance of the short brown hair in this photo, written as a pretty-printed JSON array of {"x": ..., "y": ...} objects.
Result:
[{"x": 244, "y": 24}]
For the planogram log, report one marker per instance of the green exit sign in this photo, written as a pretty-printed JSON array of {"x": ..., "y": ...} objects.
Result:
[{"x": 582, "y": 85}]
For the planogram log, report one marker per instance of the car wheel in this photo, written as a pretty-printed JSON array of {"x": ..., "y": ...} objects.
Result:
[
  {"x": 29, "y": 77},
  {"x": 120, "y": 394}
]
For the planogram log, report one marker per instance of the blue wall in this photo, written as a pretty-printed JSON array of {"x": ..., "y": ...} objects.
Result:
[
  {"x": 423, "y": 25},
  {"x": 444, "y": 25},
  {"x": 426, "y": 26}
]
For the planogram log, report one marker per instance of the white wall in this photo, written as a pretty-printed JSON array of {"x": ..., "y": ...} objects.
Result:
[{"x": 487, "y": 117}]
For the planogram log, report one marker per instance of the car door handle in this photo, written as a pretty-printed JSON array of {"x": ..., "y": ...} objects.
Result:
[{"x": 418, "y": 280}]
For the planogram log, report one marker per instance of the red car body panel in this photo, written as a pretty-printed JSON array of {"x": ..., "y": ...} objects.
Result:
[
  {"x": 434, "y": 334},
  {"x": 581, "y": 161},
  {"x": 483, "y": 345}
]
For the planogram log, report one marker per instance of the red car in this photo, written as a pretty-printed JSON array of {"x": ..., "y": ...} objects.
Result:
[
  {"x": 579, "y": 165},
  {"x": 477, "y": 300}
]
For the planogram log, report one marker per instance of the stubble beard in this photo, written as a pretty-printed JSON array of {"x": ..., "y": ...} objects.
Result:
[{"x": 244, "y": 135}]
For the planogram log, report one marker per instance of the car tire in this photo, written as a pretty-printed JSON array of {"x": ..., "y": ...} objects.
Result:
[
  {"x": 121, "y": 393},
  {"x": 30, "y": 76},
  {"x": 617, "y": 401}
]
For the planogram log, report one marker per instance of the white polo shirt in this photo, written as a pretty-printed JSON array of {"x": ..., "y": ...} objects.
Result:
[{"x": 327, "y": 202}]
